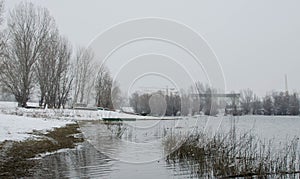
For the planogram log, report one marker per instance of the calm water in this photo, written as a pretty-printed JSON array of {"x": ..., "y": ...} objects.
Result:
[{"x": 138, "y": 151}]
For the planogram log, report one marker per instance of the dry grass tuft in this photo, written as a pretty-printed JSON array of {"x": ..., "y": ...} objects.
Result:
[{"x": 233, "y": 155}]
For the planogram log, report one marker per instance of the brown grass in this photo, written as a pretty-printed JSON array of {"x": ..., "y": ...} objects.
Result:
[
  {"x": 233, "y": 155},
  {"x": 16, "y": 162}
]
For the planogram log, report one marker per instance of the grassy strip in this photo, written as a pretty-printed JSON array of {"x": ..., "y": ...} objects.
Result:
[
  {"x": 16, "y": 162},
  {"x": 232, "y": 155}
]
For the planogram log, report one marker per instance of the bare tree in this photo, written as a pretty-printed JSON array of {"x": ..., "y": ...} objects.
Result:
[
  {"x": 28, "y": 29},
  {"x": 257, "y": 105},
  {"x": 247, "y": 97},
  {"x": 62, "y": 74},
  {"x": 83, "y": 75},
  {"x": 268, "y": 105},
  {"x": 53, "y": 70},
  {"x": 211, "y": 103},
  {"x": 2, "y": 35},
  {"x": 65, "y": 75},
  {"x": 46, "y": 67},
  {"x": 185, "y": 108},
  {"x": 281, "y": 103},
  {"x": 116, "y": 96},
  {"x": 144, "y": 104},
  {"x": 2, "y": 46},
  {"x": 200, "y": 89},
  {"x": 294, "y": 104},
  {"x": 158, "y": 103},
  {"x": 134, "y": 102},
  {"x": 103, "y": 88}
]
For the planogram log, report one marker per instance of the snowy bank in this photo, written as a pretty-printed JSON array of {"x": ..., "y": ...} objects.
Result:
[
  {"x": 14, "y": 127},
  {"x": 67, "y": 114},
  {"x": 16, "y": 123}
]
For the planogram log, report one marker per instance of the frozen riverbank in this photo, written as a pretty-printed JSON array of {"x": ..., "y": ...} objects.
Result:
[
  {"x": 16, "y": 123},
  {"x": 14, "y": 127}
]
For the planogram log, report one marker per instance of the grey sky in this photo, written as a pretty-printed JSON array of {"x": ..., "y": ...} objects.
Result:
[{"x": 256, "y": 41}]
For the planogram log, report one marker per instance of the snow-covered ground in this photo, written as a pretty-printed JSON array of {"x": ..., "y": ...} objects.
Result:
[
  {"x": 14, "y": 127},
  {"x": 70, "y": 114},
  {"x": 16, "y": 123}
]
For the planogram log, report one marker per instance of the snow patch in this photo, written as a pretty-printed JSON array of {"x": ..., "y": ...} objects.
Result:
[{"x": 17, "y": 128}]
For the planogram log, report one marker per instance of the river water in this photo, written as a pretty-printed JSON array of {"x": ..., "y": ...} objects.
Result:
[{"x": 135, "y": 148}]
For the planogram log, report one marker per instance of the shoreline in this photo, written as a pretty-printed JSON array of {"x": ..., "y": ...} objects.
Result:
[{"x": 18, "y": 158}]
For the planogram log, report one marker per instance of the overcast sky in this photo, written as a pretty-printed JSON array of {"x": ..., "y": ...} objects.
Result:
[{"x": 256, "y": 41}]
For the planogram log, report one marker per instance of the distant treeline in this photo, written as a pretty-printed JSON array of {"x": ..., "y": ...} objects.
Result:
[
  {"x": 278, "y": 103},
  {"x": 142, "y": 105},
  {"x": 191, "y": 103}
]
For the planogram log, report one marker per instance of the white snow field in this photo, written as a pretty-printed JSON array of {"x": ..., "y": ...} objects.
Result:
[
  {"x": 14, "y": 127},
  {"x": 70, "y": 114},
  {"x": 16, "y": 123}
]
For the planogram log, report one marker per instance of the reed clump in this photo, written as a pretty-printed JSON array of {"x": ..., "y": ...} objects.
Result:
[{"x": 233, "y": 154}]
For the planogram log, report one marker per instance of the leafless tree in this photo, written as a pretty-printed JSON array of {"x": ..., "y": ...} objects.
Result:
[
  {"x": 116, "y": 96},
  {"x": 134, "y": 101},
  {"x": 294, "y": 104},
  {"x": 28, "y": 29},
  {"x": 211, "y": 103},
  {"x": 257, "y": 105},
  {"x": 247, "y": 97},
  {"x": 84, "y": 75},
  {"x": 103, "y": 88},
  {"x": 46, "y": 68},
  {"x": 185, "y": 103},
  {"x": 53, "y": 71},
  {"x": 173, "y": 103},
  {"x": 268, "y": 105},
  {"x": 65, "y": 75},
  {"x": 2, "y": 35},
  {"x": 200, "y": 89},
  {"x": 144, "y": 104},
  {"x": 2, "y": 44}
]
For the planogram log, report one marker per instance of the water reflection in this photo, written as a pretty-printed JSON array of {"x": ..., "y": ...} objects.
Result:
[
  {"x": 89, "y": 162},
  {"x": 146, "y": 159},
  {"x": 128, "y": 142},
  {"x": 86, "y": 162},
  {"x": 82, "y": 162}
]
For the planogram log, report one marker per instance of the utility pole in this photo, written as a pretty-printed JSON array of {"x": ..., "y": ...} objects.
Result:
[{"x": 286, "y": 84}]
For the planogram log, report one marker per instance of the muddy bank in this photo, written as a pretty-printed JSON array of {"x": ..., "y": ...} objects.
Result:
[{"x": 16, "y": 156}]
